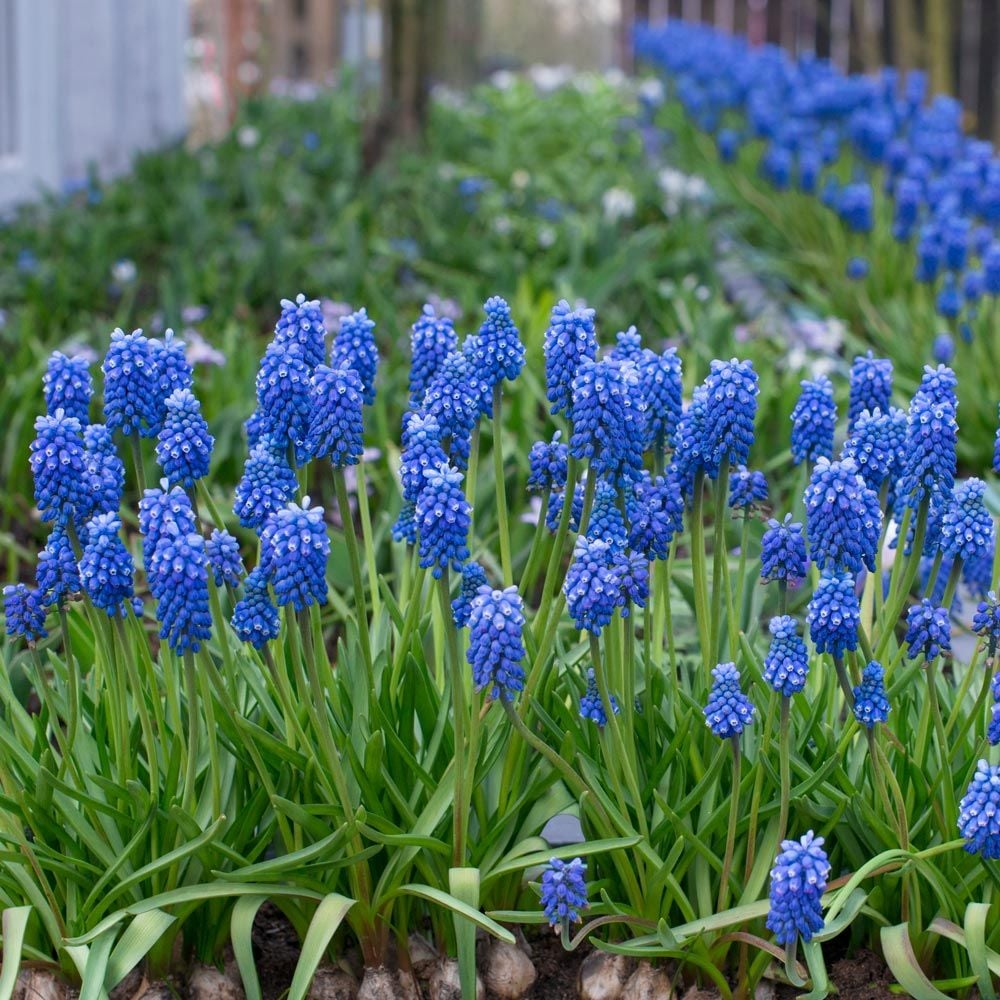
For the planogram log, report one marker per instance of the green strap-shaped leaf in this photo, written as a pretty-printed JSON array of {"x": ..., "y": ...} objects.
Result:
[
  {"x": 241, "y": 935},
  {"x": 976, "y": 915},
  {"x": 903, "y": 963},
  {"x": 328, "y": 917},
  {"x": 518, "y": 863},
  {"x": 449, "y": 902},
  {"x": 134, "y": 944},
  {"x": 93, "y": 987},
  {"x": 464, "y": 885},
  {"x": 817, "y": 971},
  {"x": 15, "y": 922}
]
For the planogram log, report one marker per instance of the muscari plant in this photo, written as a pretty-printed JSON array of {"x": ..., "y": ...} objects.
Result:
[
  {"x": 373, "y": 725},
  {"x": 861, "y": 168}
]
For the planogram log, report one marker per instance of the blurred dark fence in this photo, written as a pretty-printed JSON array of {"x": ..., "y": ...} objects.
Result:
[{"x": 956, "y": 41}]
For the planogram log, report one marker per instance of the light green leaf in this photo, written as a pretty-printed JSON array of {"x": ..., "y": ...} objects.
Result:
[
  {"x": 449, "y": 902},
  {"x": 519, "y": 863},
  {"x": 464, "y": 885},
  {"x": 976, "y": 915},
  {"x": 328, "y": 917},
  {"x": 94, "y": 974},
  {"x": 241, "y": 936},
  {"x": 15, "y": 922},
  {"x": 134, "y": 944},
  {"x": 903, "y": 963}
]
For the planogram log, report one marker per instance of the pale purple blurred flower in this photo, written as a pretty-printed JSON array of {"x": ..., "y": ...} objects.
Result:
[{"x": 200, "y": 351}]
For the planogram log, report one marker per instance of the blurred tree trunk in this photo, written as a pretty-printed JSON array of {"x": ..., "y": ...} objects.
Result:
[
  {"x": 412, "y": 31},
  {"x": 904, "y": 29},
  {"x": 939, "y": 48},
  {"x": 459, "y": 42}
]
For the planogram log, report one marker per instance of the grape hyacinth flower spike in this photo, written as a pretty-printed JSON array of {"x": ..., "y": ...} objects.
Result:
[
  {"x": 496, "y": 649},
  {"x": 179, "y": 578},
  {"x": 570, "y": 340},
  {"x": 871, "y": 704},
  {"x": 106, "y": 567},
  {"x": 354, "y": 347},
  {"x": 499, "y": 351},
  {"x": 24, "y": 613},
  {"x": 834, "y": 615},
  {"x": 336, "y": 424},
  {"x": 783, "y": 552},
  {"x": 564, "y": 893},
  {"x": 728, "y": 711},
  {"x": 798, "y": 881},
  {"x": 473, "y": 580},
  {"x": 223, "y": 552},
  {"x": 871, "y": 386},
  {"x": 294, "y": 550},
  {"x": 443, "y": 520},
  {"x": 255, "y": 618},
  {"x": 928, "y": 631},
  {"x": 301, "y": 323},
  {"x": 184, "y": 445},
  {"x": 432, "y": 339},
  {"x": 979, "y": 812},
  {"x": 843, "y": 517},
  {"x": 986, "y": 623},
  {"x": 787, "y": 662},
  {"x": 67, "y": 386},
  {"x": 58, "y": 466},
  {"x": 731, "y": 391},
  {"x": 747, "y": 490},
  {"x": 814, "y": 420},
  {"x": 592, "y": 705},
  {"x": 131, "y": 388}
]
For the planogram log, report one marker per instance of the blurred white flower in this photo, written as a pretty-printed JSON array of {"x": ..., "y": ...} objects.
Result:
[
  {"x": 503, "y": 79},
  {"x": 520, "y": 179},
  {"x": 702, "y": 294},
  {"x": 534, "y": 510},
  {"x": 247, "y": 136},
  {"x": 618, "y": 203},
  {"x": 446, "y": 171},
  {"x": 549, "y": 78},
  {"x": 193, "y": 314},
  {"x": 502, "y": 225},
  {"x": 123, "y": 271},
  {"x": 546, "y": 236},
  {"x": 651, "y": 90},
  {"x": 615, "y": 77}
]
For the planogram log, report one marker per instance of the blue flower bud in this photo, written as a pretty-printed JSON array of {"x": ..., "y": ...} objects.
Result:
[
  {"x": 798, "y": 881},
  {"x": 871, "y": 705},
  {"x": 496, "y": 649},
  {"x": 728, "y": 711}
]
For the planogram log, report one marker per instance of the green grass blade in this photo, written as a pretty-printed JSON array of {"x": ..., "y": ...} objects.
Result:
[
  {"x": 15, "y": 922},
  {"x": 449, "y": 902},
  {"x": 241, "y": 936},
  {"x": 134, "y": 944},
  {"x": 464, "y": 885},
  {"x": 976, "y": 915},
  {"x": 903, "y": 963},
  {"x": 328, "y": 917}
]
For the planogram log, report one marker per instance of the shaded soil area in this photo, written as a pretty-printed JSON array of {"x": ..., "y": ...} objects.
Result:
[{"x": 862, "y": 976}]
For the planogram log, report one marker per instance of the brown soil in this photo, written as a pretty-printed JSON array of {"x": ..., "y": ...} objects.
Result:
[
  {"x": 557, "y": 969},
  {"x": 863, "y": 976}
]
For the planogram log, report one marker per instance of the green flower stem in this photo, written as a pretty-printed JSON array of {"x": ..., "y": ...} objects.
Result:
[
  {"x": 698, "y": 569},
  {"x": 45, "y": 696},
  {"x": 719, "y": 581},
  {"x": 452, "y": 668},
  {"x": 368, "y": 538},
  {"x": 880, "y": 786},
  {"x": 537, "y": 551},
  {"x": 952, "y": 584},
  {"x": 556, "y": 553},
  {"x": 413, "y": 610},
  {"x": 734, "y": 818},
  {"x": 883, "y": 497},
  {"x": 295, "y": 735},
  {"x": 72, "y": 683},
  {"x": 976, "y": 714},
  {"x": 215, "y": 772},
  {"x": 114, "y": 698},
  {"x": 189, "y": 802},
  {"x": 897, "y": 598},
  {"x": 933, "y": 575},
  {"x": 501, "y": 487},
  {"x": 213, "y": 510},
  {"x": 784, "y": 753},
  {"x": 758, "y": 787},
  {"x": 782, "y": 597},
  {"x": 942, "y": 741},
  {"x": 897, "y": 795},
  {"x": 844, "y": 681},
  {"x": 139, "y": 699},
  {"x": 360, "y": 605},
  {"x": 741, "y": 572},
  {"x": 472, "y": 473},
  {"x": 140, "y": 476}
]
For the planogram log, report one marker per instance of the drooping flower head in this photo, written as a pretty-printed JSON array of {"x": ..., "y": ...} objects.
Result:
[
  {"x": 443, "y": 519},
  {"x": 966, "y": 527},
  {"x": 24, "y": 613},
  {"x": 496, "y": 649},
  {"x": 655, "y": 515},
  {"x": 783, "y": 552},
  {"x": 632, "y": 572},
  {"x": 877, "y": 444},
  {"x": 293, "y": 554},
  {"x": 871, "y": 704},
  {"x": 284, "y": 393},
  {"x": 355, "y": 347},
  {"x": 184, "y": 445},
  {"x": 547, "y": 464},
  {"x": 609, "y": 425},
  {"x": 255, "y": 618},
  {"x": 747, "y": 489},
  {"x": 564, "y": 891},
  {"x": 928, "y": 631},
  {"x": 661, "y": 384},
  {"x": 432, "y": 339},
  {"x": 179, "y": 579},
  {"x": 570, "y": 340},
  {"x": 131, "y": 389},
  {"x": 986, "y": 622},
  {"x": 67, "y": 386},
  {"x": 843, "y": 517},
  {"x": 834, "y": 614},
  {"x": 591, "y": 704},
  {"x": 158, "y": 508},
  {"x": 787, "y": 662},
  {"x": 223, "y": 553},
  {"x": 105, "y": 471},
  {"x": 266, "y": 486},
  {"x": 730, "y": 410},
  {"x": 473, "y": 579},
  {"x": 58, "y": 467},
  {"x": 871, "y": 386},
  {"x": 454, "y": 403},
  {"x": 336, "y": 426},
  {"x": 592, "y": 588},
  {"x": 499, "y": 351},
  {"x": 58, "y": 572},
  {"x": 798, "y": 881},
  {"x": 301, "y": 323},
  {"x": 606, "y": 521},
  {"x": 554, "y": 514},
  {"x": 814, "y": 420},
  {"x": 728, "y": 710},
  {"x": 404, "y": 529},
  {"x": 979, "y": 812},
  {"x": 106, "y": 567}
]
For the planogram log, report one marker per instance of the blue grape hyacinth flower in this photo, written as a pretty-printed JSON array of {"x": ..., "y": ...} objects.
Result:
[
  {"x": 986, "y": 622},
  {"x": 787, "y": 662},
  {"x": 660, "y": 382},
  {"x": 798, "y": 881},
  {"x": 609, "y": 420},
  {"x": 336, "y": 425},
  {"x": 966, "y": 527},
  {"x": 255, "y": 618},
  {"x": 592, "y": 588},
  {"x": 979, "y": 812},
  {"x": 499, "y": 351},
  {"x": 928, "y": 631},
  {"x": 58, "y": 571},
  {"x": 443, "y": 520},
  {"x": 184, "y": 445},
  {"x": 564, "y": 892},
  {"x": 843, "y": 517},
  {"x": 67, "y": 386},
  {"x": 783, "y": 552},
  {"x": 834, "y": 614},
  {"x": 24, "y": 613},
  {"x": 267, "y": 485},
  {"x": 747, "y": 489},
  {"x": 548, "y": 464},
  {"x": 173, "y": 372},
  {"x": 432, "y": 339},
  {"x": 58, "y": 466},
  {"x": 731, "y": 391},
  {"x": 931, "y": 438},
  {"x": 570, "y": 339},
  {"x": 473, "y": 579},
  {"x": 301, "y": 323},
  {"x": 454, "y": 402},
  {"x": 591, "y": 704},
  {"x": 223, "y": 553},
  {"x": 814, "y": 420},
  {"x": 556, "y": 506},
  {"x": 105, "y": 471},
  {"x": 422, "y": 450},
  {"x": 131, "y": 388},
  {"x": 655, "y": 516},
  {"x": 728, "y": 710},
  {"x": 158, "y": 508},
  {"x": 870, "y": 386},
  {"x": 355, "y": 347},
  {"x": 284, "y": 394},
  {"x": 628, "y": 346},
  {"x": 294, "y": 550},
  {"x": 179, "y": 579},
  {"x": 606, "y": 520},
  {"x": 877, "y": 444},
  {"x": 404, "y": 528},
  {"x": 871, "y": 704},
  {"x": 106, "y": 567},
  {"x": 496, "y": 648}
]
